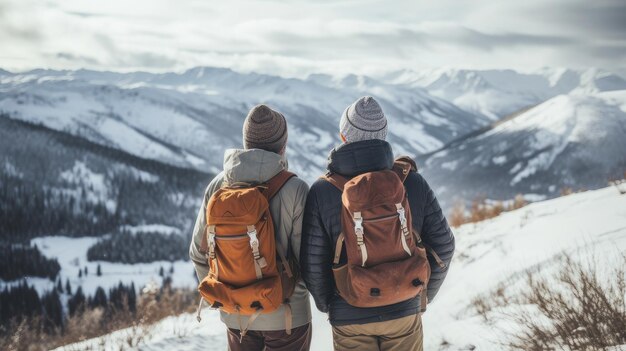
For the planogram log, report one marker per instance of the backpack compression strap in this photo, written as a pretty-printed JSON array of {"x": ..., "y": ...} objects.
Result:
[
  {"x": 337, "y": 180},
  {"x": 403, "y": 165},
  {"x": 276, "y": 183},
  {"x": 273, "y": 187}
]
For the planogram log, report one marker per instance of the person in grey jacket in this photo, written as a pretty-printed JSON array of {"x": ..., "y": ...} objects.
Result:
[{"x": 263, "y": 156}]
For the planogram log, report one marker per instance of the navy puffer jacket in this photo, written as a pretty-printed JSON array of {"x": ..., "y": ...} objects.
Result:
[{"x": 322, "y": 226}]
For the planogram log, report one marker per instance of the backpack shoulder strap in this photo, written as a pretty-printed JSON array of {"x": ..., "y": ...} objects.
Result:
[
  {"x": 276, "y": 183},
  {"x": 335, "y": 179},
  {"x": 403, "y": 165}
]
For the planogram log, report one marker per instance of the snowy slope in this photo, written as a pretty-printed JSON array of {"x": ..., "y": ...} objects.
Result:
[
  {"x": 488, "y": 254},
  {"x": 188, "y": 119},
  {"x": 498, "y": 93},
  {"x": 72, "y": 256},
  {"x": 576, "y": 140}
]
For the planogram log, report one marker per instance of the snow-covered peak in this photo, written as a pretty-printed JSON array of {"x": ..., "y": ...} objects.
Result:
[
  {"x": 570, "y": 141},
  {"x": 497, "y": 93},
  {"x": 594, "y": 80}
]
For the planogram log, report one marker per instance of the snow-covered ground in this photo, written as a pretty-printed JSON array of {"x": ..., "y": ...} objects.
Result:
[{"x": 488, "y": 254}]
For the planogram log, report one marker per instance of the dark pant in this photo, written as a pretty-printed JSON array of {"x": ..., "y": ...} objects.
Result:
[{"x": 276, "y": 340}]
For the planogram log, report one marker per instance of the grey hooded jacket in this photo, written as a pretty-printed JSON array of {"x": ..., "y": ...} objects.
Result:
[{"x": 286, "y": 207}]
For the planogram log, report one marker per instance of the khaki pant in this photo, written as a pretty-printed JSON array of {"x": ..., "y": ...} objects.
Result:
[
  {"x": 402, "y": 334},
  {"x": 279, "y": 340}
]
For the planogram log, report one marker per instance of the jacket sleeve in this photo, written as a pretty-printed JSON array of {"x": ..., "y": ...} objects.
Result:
[
  {"x": 437, "y": 234},
  {"x": 315, "y": 257},
  {"x": 298, "y": 215},
  {"x": 198, "y": 258}
]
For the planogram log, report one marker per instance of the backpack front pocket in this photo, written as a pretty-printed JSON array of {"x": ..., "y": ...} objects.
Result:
[
  {"x": 263, "y": 294},
  {"x": 383, "y": 284}
]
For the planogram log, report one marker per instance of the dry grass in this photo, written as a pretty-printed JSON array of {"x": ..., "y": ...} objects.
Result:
[
  {"x": 481, "y": 210},
  {"x": 585, "y": 311},
  {"x": 576, "y": 308},
  {"x": 28, "y": 335},
  {"x": 484, "y": 304}
]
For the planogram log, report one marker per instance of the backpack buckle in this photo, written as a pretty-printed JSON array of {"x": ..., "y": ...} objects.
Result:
[
  {"x": 252, "y": 234},
  {"x": 254, "y": 242},
  {"x": 401, "y": 214},
  {"x": 358, "y": 224},
  {"x": 211, "y": 240},
  {"x": 259, "y": 262}
]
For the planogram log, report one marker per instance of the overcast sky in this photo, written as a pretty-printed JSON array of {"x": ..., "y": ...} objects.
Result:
[{"x": 295, "y": 38}]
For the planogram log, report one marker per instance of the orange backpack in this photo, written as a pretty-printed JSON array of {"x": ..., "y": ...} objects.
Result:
[
  {"x": 386, "y": 259},
  {"x": 240, "y": 245}
]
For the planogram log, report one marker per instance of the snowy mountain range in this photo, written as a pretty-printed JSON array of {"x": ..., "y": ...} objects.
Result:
[
  {"x": 188, "y": 119},
  {"x": 498, "y": 93},
  {"x": 457, "y": 120}
]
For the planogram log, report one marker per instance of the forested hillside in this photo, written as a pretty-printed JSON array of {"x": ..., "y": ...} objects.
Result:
[{"x": 55, "y": 183}]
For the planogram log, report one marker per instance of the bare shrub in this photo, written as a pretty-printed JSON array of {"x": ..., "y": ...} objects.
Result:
[
  {"x": 576, "y": 309},
  {"x": 482, "y": 306},
  {"x": 485, "y": 303},
  {"x": 457, "y": 215},
  {"x": 153, "y": 306},
  {"x": 518, "y": 202},
  {"x": 481, "y": 210}
]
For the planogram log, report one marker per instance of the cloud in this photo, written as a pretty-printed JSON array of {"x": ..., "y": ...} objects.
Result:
[
  {"x": 600, "y": 19},
  {"x": 10, "y": 26},
  {"x": 71, "y": 58},
  {"x": 298, "y": 38}
]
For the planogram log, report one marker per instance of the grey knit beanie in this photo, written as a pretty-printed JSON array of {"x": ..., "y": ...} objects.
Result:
[
  {"x": 265, "y": 129},
  {"x": 363, "y": 120}
]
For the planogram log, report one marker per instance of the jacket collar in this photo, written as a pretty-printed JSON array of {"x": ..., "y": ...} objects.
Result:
[{"x": 352, "y": 159}]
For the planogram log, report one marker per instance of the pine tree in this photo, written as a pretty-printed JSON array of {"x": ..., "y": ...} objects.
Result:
[
  {"x": 172, "y": 269},
  {"x": 161, "y": 273},
  {"x": 86, "y": 271},
  {"x": 80, "y": 273},
  {"x": 59, "y": 286},
  {"x": 99, "y": 298},
  {"x": 68, "y": 287},
  {"x": 76, "y": 303},
  {"x": 53, "y": 311},
  {"x": 132, "y": 298},
  {"x": 98, "y": 271}
]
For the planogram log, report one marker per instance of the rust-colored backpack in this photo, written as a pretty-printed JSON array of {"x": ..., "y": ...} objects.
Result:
[
  {"x": 242, "y": 252},
  {"x": 386, "y": 263}
]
